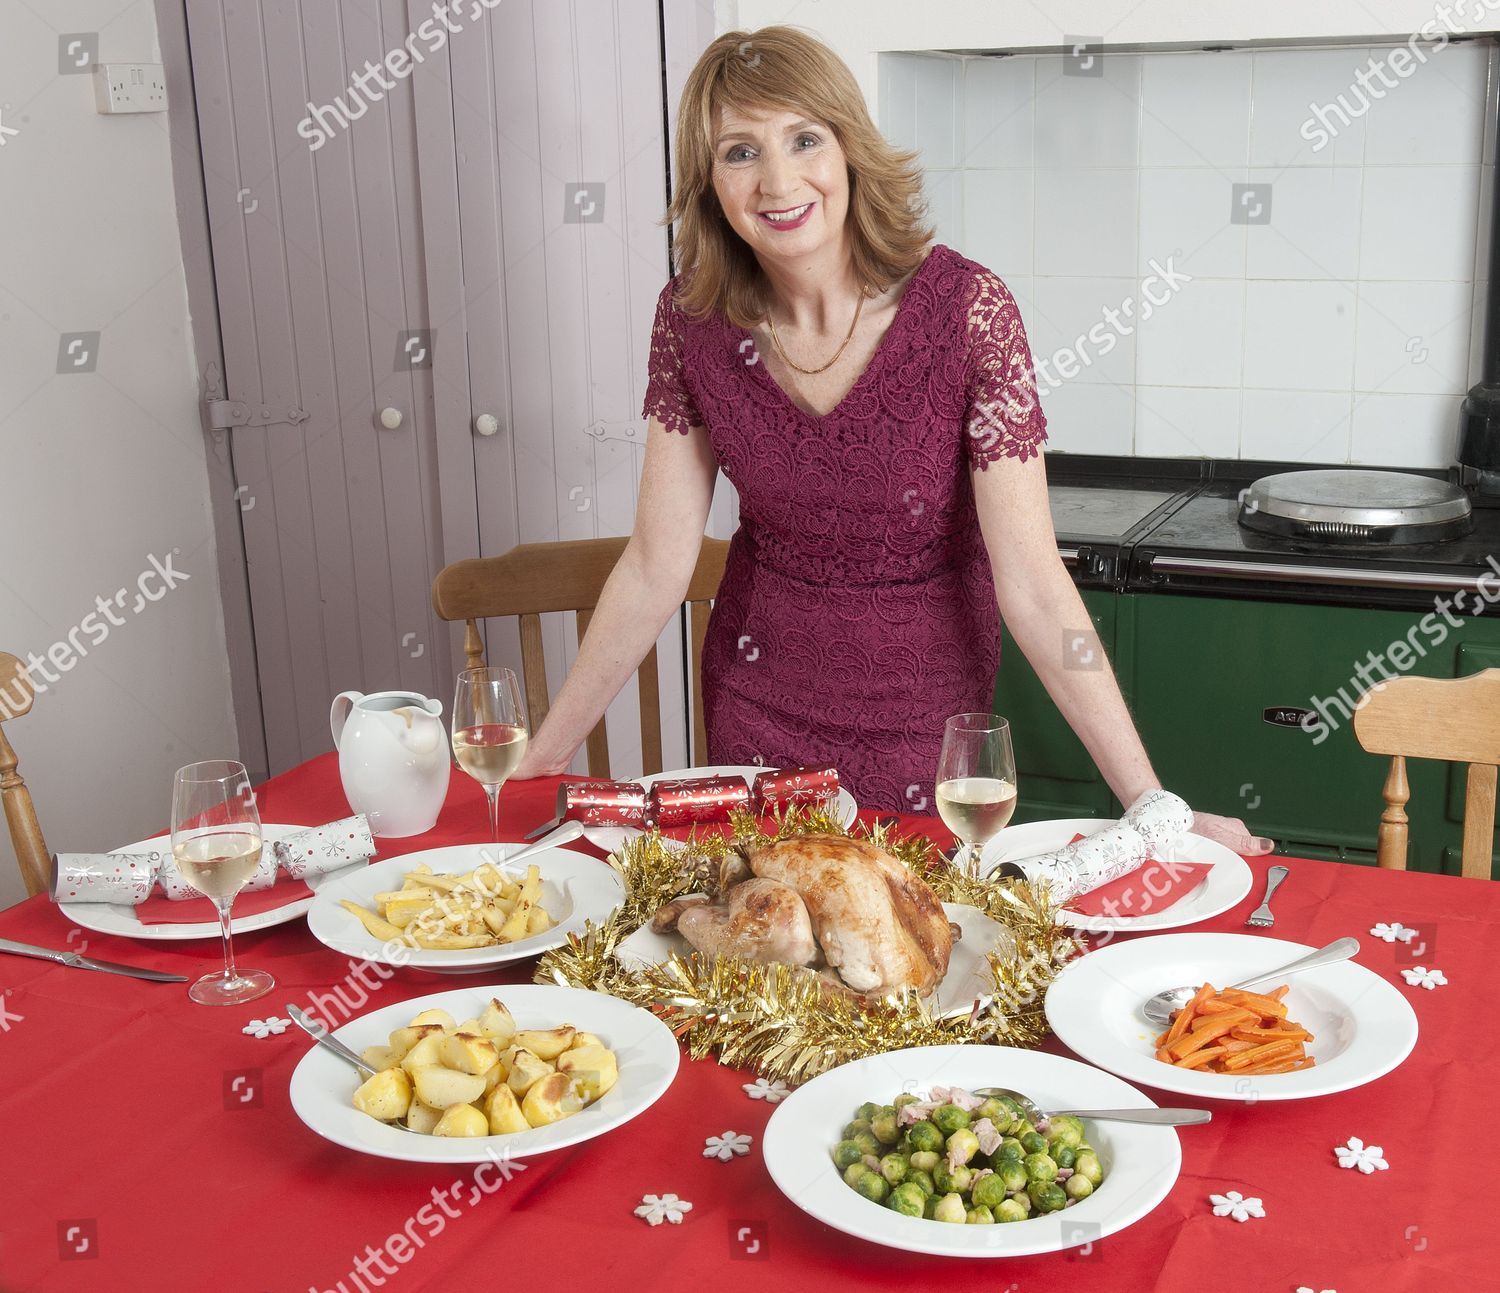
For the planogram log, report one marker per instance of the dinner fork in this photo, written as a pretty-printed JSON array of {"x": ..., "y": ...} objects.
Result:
[{"x": 1261, "y": 917}]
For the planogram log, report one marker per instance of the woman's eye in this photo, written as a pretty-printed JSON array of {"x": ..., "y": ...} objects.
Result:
[{"x": 812, "y": 138}]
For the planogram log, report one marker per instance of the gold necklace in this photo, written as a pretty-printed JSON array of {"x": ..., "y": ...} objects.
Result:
[{"x": 810, "y": 371}]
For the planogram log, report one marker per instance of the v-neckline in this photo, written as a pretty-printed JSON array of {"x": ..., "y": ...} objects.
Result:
[{"x": 868, "y": 368}]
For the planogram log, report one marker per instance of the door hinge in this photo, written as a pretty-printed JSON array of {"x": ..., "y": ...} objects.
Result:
[{"x": 223, "y": 413}]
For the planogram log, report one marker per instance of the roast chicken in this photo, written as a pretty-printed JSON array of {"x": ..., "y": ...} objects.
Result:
[{"x": 824, "y": 901}]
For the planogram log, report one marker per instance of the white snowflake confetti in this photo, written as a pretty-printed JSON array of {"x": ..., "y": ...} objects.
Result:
[
  {"x": 1355, "y": 1153},
  {"x": 656, "y": 1208},
  {"x": 1234, "y": 1204},
  {"x": 770, "y": 1092},
  {"x": 1302, "y": 1288},
  {"x": 266, "y": 1027},
  {"x": 1421, "y": 977},
  {"x": 726, "y": 1146},
  {"x": 1394, "y": 931}
]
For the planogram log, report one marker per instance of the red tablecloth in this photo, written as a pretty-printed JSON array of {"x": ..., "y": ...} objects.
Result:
[{"x": 149, "y": 1142}]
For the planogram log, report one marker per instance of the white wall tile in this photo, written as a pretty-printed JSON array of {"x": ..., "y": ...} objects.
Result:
[
  {"x": 1185, "y": 215},
  {"x": 1196, "y": 338},
  {"x": 1419, "y": 222},
  {"x": 1066, "y": 310},
  {"x": 1195, "y": 109},
  {"x": 1286, "y": 84},
  {"x": 997, "y": 111},
  {"x": 1084, "y": 417},
  {"x": 1435, "y": 113},
  {"x": 1181, "y": 421},
  {"x": 946, "y": 205},
  {"x": 1088, "y": 120},
  {"x": 997, "y": 219},
  {"x": 1405, "y": 430},
  {"x": 937, "y": 110},
  {"x": 1314, "y": 227},
  {"x": 1085, "y": 222},
  {"x": 898, "y": 99},
  {"x": 1413, "y": 337},
  {"x": 1299, "y": 336},
  {"x": 1297, "y": 426}
]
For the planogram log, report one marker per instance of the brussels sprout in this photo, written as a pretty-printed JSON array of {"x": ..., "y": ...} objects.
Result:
[
  {"x": 926, "y": 1136},
  {"x": 1078, "y": 1187},
  {"x": 884, "y": 1127},
  {"x": 963, "y": 1144},
  {"x": 950, "y": 1208},
  {"x": 846, "y": 1152},
  {"x": 1010, "y": 1147},
  {"x": 1087, "y": 1165},
  {"x": 988, "y": 1192},
  {"x": 873, "y": 1186},
  {"x": 948, "y": 1118},
  {"x": 854, "y": 1172},
  {"x": 952, "y": 1180},
  {"x": 1033, "y": 1142},
  {"x": 905, "y": 1098},
  {"x": 980, "y": 1217},
  {"x": 929, "y": 1208},
  {"x": 1067, "y": 1130},
  {"x": 922, "y": 1180},
  {"x": 1061, "y": 1154},
  {"x": 1012, "y": 1174},
  {"x": 868, "y": 1144},
  {"x": 907, "y": 1200},
  {"x": 1012, "y": 1210},
  {"x": 995, "y": 1111},
  {"x": 894, "y": 1168},
  {"x": 924, "y": 1160},
  {"x": 1048, "y": 1196},
  {"x": 867, "y": 1111},
  {"x": 1040, "y": 1167},
  {"x": 852, "y": 1129}
]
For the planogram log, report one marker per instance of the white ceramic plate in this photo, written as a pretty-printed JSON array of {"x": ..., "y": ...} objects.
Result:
[
  {"x": 1228, "y": 881},
  {"x": 117, "y": 918},
  {"x": 609, "y": 838},
  {"x": 323, "y": 1085},
  {"x": 575, "y": 888},
  {"x": 1140, "y": 1163},
  {"x": 1362, "y": 1026},
  {"x": 968, "y": 974}
]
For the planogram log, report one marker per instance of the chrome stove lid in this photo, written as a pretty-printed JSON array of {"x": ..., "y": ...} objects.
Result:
[{"x": 1356, "y": 507}]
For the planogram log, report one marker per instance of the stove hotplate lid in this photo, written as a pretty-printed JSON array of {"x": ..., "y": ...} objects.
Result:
[{"x": 1347, "y": 505}]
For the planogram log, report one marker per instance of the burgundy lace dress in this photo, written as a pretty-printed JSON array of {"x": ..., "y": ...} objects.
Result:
[{"x": 857, "y": 610}]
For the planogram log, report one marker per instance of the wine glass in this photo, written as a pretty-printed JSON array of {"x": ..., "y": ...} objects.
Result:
[
  {"x": 216, "y": 843},
  {"x": 489, "y": 731},
  {"x": 976, "y": 781}
]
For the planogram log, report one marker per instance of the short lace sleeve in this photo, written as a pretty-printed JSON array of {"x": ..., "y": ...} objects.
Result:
[
  {"x": 1004, "y": 411},
  {"x": 667, "y": 395}
]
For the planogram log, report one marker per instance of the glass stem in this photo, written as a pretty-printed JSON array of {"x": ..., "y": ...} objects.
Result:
[
  {"x": 492, "y": 793},
  {"x": 224, "y": 905}
]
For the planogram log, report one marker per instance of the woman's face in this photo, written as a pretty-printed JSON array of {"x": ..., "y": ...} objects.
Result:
[{"x": 779, "y": 161}]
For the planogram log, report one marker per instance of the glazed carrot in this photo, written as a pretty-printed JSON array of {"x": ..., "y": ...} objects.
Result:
[
  {"x": 1184, "y": 1017},
  {"x": 1266, "y": 1005},
  {"x": 1201, "y": 1057},
  {"x": 1279, "y": 1066},
  {"x": 1291, "y": 1034},
  {"x": 1216, "y": 1007},
  {"x": 1234, "y": 1043},
  {"x": 1278, "y": 993},
  {"x": 1212, "y": 1028},
  {"x": 1262, "y": 1055},
  {"x": 1163, "y": 1054}
]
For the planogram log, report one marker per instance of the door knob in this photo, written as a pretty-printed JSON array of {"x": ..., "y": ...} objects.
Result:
[
  {"x": 390, "y": 419},
  {"x": 486, "y": 424}
]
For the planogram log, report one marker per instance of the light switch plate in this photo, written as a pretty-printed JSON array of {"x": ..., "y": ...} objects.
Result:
[{"x": 130, "y": 87}]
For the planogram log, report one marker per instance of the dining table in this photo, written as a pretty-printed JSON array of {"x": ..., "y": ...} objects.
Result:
[{"x": 150, "y": 1142}]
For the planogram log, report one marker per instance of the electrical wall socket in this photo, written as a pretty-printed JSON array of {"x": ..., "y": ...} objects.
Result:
[{"x": 130, "y": 87}]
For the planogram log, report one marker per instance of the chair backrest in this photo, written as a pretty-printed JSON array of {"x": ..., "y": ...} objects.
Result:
[
  {"x": 569, "y": 576},
  {"x": 1454, "y": 719},
  {"x": 16, "y": 694}
]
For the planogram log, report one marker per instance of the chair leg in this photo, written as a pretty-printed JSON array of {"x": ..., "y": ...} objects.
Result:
[{"x": 1390, "y": 846}]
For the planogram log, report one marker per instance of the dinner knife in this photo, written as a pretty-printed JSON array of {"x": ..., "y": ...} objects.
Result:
[{"x": 77, "y": 962}]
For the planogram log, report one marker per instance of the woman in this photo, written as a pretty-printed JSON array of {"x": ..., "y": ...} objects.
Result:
[{"x": 870, "y": 395}]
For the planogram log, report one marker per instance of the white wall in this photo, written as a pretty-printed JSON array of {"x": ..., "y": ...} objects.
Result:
[{"x": 101, "y": 470}]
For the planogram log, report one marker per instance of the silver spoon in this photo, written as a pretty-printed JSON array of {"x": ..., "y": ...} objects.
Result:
[
  {"x": 319, "y": 1033},
  {"x": 564, "y": 834},
  {"x": 1157, "y": 1117},
  {"x": 1158, "y": 1009}
]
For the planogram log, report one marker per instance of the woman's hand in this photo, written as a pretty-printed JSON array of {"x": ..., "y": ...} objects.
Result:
[
  {"x": 1232, "y": 833},
  {"x": 535, "y": 764}
]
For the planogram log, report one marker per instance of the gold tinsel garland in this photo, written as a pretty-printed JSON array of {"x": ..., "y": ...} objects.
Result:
[{"x": 781, "y": 1020}]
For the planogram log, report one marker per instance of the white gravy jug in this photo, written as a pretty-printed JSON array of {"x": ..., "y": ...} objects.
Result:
[{"x": 393, "y": 758}]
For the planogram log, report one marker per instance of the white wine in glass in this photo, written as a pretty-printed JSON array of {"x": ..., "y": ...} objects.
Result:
[
  {"x": 976, "y": 780},
  {"x": 216, "y": 844},
  {"x": 489, "y": 731}
]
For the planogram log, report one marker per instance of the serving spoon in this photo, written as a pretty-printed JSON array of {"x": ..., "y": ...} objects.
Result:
[
  {"x": 1159, "y": 1009},
  {"x": 1157, "y": 1117},
  {"x": 319, "y": 1033}
]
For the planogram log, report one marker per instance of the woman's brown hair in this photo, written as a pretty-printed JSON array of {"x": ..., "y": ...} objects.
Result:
[{"x": 784, "y": 68}]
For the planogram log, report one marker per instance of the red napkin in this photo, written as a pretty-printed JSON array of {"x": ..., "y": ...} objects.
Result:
[
  {"x": 1154, "y": 887},
  {"x": 158, "y": 909}
]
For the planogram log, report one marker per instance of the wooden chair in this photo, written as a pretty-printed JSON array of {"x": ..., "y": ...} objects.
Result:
[
  {"x": 1454, "y": 719},
  {"x": 16, "y": 695},
  {"x": 569, "y": 576}
]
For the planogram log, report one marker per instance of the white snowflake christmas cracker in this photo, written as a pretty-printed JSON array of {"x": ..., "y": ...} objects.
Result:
[
  {"x": 726, "y": 1145},
  {"x": 656, "y": 1208},
  {"x": 770, "y": 1092},
  {"x": 1421, "y": 977},
  {"x": 1355, "y": 1153},
  {"x": 1236, "y": 1205}
]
